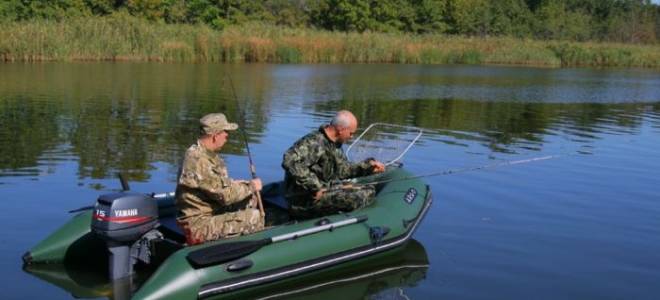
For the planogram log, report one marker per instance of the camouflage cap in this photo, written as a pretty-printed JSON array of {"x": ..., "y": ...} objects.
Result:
[{"x": 216, "y": 122}]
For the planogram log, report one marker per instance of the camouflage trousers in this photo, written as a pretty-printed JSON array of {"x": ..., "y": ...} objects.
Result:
[
  {"x": 203, "y": 229},
  {"x": 336, "y": 201}
]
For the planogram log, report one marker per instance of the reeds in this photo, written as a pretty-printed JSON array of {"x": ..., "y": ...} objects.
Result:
[{"x": 122, "y": 37}]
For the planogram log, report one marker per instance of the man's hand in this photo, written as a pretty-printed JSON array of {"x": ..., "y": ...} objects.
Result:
[
  {"x": 256, "y": 184},
  {"x": 319, "y": 194},
  {"x": 377, "y": 167}
]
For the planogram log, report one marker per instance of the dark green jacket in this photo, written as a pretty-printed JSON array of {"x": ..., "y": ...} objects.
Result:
[{"x": 312, "y": 163}]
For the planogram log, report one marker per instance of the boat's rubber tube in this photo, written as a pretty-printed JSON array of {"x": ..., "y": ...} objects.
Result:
[{"x": 212, "y": 289}]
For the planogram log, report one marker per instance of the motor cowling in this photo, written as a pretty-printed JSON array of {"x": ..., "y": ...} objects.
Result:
[
  {"x": 127, "y": 222},
  {"x": 124, "y": 217}
]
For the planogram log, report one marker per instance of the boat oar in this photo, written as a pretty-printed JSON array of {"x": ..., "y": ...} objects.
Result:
[{"x": 222, "y": 253}]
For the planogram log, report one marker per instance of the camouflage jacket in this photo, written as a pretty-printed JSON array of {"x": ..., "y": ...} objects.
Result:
[
  {"x": 204, "y": 187},
  {"x": 312, "y": 163}
]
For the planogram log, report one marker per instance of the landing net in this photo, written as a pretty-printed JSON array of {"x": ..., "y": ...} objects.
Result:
[{"x": 387, "y": 143}]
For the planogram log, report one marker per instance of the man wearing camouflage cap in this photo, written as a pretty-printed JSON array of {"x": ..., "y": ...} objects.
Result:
[
  {"x": 315, "y": 161},
  {"x": 211, "y": 205}
]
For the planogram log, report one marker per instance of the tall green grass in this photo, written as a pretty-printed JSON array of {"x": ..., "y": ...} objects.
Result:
[{"x": 122, "y": 37}]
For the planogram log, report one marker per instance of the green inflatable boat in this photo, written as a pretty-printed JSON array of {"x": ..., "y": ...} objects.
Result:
[{"x": 132, "y": 241}]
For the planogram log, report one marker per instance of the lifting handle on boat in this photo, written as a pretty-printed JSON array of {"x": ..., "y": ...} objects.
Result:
[{"x": 225, "y": 252}]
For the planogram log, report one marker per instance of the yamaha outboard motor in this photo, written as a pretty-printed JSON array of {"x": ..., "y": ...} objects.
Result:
[{"x": 127, "y": 222}]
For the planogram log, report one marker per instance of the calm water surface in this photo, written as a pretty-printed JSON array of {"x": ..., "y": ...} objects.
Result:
[{"x": 585, "y": 225}]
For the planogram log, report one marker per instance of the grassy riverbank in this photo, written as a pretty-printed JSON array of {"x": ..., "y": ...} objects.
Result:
[{"x": 127, "y": 38}]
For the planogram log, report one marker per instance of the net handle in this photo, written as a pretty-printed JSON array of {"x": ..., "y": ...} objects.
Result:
[{"x": 419, "y": 134}]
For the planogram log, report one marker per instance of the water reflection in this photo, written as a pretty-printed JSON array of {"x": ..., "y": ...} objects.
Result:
[
  {"x": 108, "y": 136},
  {"x": 27, "y": 132},
  {"x": 118, "y": 118},
  {"x": 126, "y": 117},
  {"x": 386, "y": 277},
  {"x": 383, "y": 277},
  {"x": 79, "y": 283}
]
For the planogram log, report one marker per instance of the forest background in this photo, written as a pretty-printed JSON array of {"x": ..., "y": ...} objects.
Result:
[{"x": 531, "y": 32}]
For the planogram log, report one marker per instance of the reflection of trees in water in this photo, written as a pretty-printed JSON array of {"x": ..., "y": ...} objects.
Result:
[
  {"x": 125, "y": 117},
  {"x": 501, "y": 126},
  {"x": 121, "y": 117},
  {"x": 112, "y": 136},
  {"x": 654, "y": 115},
  {"x": 27, "y": 129}
]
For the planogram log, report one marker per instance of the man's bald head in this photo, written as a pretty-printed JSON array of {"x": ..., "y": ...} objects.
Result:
[
  {"x": 344, "y": 119},
  {"x": 345, "y": 125}
]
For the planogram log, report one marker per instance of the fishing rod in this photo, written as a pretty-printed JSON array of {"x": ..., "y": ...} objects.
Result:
[
  {"x": 462, "y": 170},
  {"x": 253, "y": 170},
  {"x": 352, "y": 183}
]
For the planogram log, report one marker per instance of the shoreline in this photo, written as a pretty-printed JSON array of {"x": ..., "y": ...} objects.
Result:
[{"x": 130, "y": 39}]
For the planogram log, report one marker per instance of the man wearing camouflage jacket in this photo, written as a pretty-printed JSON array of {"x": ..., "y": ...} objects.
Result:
[
  {"x": 211, "y": 205},
  {"x": 315, "y": 161}
]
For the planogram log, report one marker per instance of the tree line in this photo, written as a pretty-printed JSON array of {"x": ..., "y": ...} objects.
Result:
[{"x": 628, "y": 21}]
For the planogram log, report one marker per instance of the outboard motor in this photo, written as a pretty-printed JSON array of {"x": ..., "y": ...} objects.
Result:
[{"x": 127, "y": 222}]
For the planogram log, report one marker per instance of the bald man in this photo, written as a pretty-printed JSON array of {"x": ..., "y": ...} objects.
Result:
[{"x": 317, "y": 160}]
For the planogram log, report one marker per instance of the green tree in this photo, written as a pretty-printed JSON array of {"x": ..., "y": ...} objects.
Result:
[
  {"x": 557, "y": 21},
  {"x": 343, "y": 15},
  {"x": 42, "y": 9},
  {"x": 432, "y": 16},
  {"x": 632, "y": 21},
  {"x": 470, "y": 17},
  {"x": 486, "y": 17},
  {"x": 510, "y": 17},
  {"x": 102, "y": 7},
  {"x": 202, "y": 11},
  {"x": 175, "y": 11},
  {"x": 152, "y": 10},
  {"x": 287, "y": 12},
  {"x": 10, "y": 10},
  {"x": 392, "y": 16},
  {"x": 220, "y": 13}
]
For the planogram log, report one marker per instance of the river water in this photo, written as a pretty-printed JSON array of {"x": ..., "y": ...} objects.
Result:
[{"x": 582, "y": 225}]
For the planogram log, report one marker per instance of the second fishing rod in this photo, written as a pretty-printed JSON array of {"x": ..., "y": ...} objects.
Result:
[
  {"x": 353, "y": 183},
  {"x": 241, "y": 120}
]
